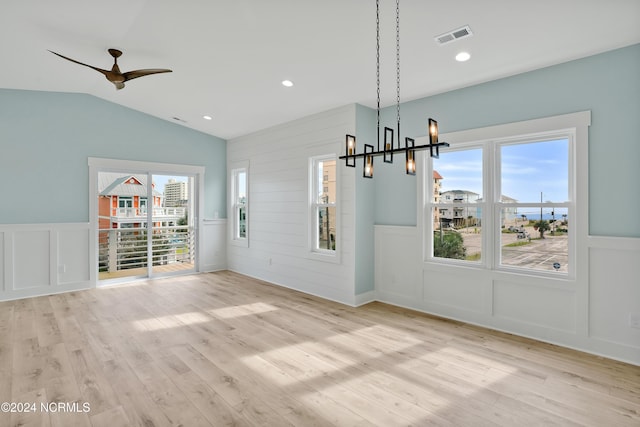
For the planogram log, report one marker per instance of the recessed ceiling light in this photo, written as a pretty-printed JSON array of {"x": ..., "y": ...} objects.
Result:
[
  {"x": 287, "y": 83},
  {"x": 463, "y": 56},
  {"x": 207, "y": 117}
]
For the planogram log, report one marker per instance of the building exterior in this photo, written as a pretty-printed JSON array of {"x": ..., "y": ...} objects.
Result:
[
  {"x": 509, "y": 213},
  {"x": 175, "y": 194},
  {"x": 327, "y": 220},
  {"x": 464, "y": 215},
  {"x": 458, "y": 215},
  {"x": 437, "y": 186},
  {"x": 123, "y": 203}
]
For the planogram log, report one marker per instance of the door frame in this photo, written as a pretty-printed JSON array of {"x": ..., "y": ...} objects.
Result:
[{"x": 97, "y": 164}]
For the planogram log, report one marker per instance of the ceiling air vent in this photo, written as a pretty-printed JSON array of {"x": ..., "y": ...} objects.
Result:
[{"x": 454, "y": 35}]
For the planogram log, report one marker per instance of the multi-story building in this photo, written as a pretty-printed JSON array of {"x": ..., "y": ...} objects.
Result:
[
  {"x": 465, "y": 215},
  {"x": 175, "y": 193},
  {"x": 458, "y": 215},
  {"x": 123, "y": 203},
  {"x": 327, "y": 226},
  {"x": 437, "y": 186}
]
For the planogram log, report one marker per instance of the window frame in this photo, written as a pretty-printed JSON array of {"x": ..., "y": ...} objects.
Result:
[
  {"x": 314, "y": 206},
  {"x": 235, "y": 205},
  {"x": 448, "y": 203},
  {"x": 570, "y": 136},
  {"x": 573, "y": 126}
]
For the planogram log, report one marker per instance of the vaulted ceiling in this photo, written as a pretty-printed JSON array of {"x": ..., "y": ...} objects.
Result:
[{"x": 230, "y": 57}]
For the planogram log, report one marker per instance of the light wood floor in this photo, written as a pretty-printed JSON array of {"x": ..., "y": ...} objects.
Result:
[{"x": 222, "y": 349}]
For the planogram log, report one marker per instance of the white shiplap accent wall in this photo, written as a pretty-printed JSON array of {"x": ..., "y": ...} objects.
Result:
[{"x": 278, "y": 250}]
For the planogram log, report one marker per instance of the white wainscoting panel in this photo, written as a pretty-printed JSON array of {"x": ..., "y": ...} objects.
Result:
[
  {"x": 2, "y": 268},
  {"x": 546, "y": 309},
  {"x": 398, "y": 246},
  {"x": 534, "y": 305},
  {"x": 41, "y": 259},
  {"x": 454, "y": 293},
  {"x": 213, "y": 247},
  {"x": 31, "y": 259},
  {"x": 614, "y": 291},
  {"x": 73, "y": 256}
]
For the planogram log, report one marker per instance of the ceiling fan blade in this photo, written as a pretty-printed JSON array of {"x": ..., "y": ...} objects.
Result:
[
  {"x": 130, "y": 75},
  {"x": 100, "y": 70}
]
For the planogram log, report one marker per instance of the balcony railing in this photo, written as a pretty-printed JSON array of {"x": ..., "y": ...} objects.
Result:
[
  {"x": 142, "y": 212},
  {"x": 126, "y": 248}
]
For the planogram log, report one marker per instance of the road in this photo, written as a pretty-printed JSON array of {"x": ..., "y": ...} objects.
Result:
[{"x": 540, "y": 254}]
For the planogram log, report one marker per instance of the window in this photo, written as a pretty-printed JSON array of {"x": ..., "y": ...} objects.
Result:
[
  {"x": 534, "y": 204},
  {"x": 506, "y": 203},
  {"x": 456, "y": 204},
  {"x": 125, "y": 202},
  {"x": 239, "y": 203},
  {"x": 323, "y": 195}
]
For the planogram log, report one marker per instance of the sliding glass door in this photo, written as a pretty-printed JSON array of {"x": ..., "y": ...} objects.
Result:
[
  {"x": 172, "y": 247},
  {"x": 146, "y": 224}
]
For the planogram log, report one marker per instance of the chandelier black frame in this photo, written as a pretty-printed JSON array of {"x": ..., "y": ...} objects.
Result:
[{"x": 388, "y": 146}]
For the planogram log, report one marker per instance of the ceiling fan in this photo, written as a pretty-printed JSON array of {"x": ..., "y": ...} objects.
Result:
[{"x": 114, "y": 75}]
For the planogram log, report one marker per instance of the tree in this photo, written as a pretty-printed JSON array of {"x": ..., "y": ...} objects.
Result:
[
  {"x": 451, "y": 245},
  {"x": 541, "y": 226}
]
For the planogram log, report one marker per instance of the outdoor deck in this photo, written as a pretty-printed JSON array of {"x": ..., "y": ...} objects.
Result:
[{"x": 142, "y": 271}]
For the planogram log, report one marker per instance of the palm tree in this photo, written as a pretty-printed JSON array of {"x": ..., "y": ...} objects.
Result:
[{"x": 541, "y": 226}]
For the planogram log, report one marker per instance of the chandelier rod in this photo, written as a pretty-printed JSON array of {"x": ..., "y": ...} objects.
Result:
[
  {"x": 398, "y": 66},
  {"x": 389, "y": 147},
  {"x": 378, "y": 66}
]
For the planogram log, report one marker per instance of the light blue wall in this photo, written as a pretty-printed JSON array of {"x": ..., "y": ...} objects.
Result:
[
  {"x": 608, "y": 84},
  {"x": 365, "y": 205},
  {"x": 46, "y": 138}
]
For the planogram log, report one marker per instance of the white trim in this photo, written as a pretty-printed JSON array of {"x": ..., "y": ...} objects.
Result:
[
  {"x": 617, "y": 243},
  {"x": 326, "y": 255},
  {"x": 365, "y": 298},
  {"x": 572, "y": 126},
  {"x": 156, "y": 168},
  {"x": 234, "y": 169},
  {"x": 524, "y": 128}
]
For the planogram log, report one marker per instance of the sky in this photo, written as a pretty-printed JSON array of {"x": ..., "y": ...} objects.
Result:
[
  {"x": 161, "y": 180},
  {"x": 526, "y": 171}
]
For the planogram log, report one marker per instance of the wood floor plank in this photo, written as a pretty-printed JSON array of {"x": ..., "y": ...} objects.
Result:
[
  {"x": 24, "y": 320},
  {"x": 115, "y": 417},
  {"x": 173, "y": 403},
  {"x": 94, "y": 386},
  {"x": 210, "y": 404},
  {"x": 34, "y": 417},
  {"x": 222, "y": 349}
]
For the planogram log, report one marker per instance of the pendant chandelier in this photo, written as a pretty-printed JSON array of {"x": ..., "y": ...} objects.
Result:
[{"x": 388, "y": 147}]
